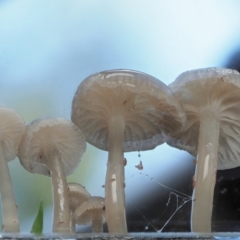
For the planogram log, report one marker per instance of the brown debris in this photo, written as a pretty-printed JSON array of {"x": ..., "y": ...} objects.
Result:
[{"x": 139, "y": 166}]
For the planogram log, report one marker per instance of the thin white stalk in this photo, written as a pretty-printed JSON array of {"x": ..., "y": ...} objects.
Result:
[
  {"x": 9, "y": 207},
  {"x": 60, "y": 195},
  {"x": 114, "y": 183},
  {"x": 72, "y": 222},
  {"x": 97, "y": 223},
  {"x": 205, "y": 173}
]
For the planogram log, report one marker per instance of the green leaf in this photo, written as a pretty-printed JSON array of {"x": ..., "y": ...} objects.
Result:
[{"x": 37, "y": 226}]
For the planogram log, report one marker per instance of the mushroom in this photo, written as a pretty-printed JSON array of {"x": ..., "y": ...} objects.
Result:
[
  {"x": 211, "y": 99},
  {"x": 121, "y": 111},
  {"x": 53, "y": 147},
  {"x": 12, "y": 127},
  {"x": 92, "y": 212},
  {"x": 77, "y": 195}
]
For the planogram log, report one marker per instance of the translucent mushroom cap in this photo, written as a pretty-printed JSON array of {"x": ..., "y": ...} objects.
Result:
[
  {"x": 85, "y": 212},
  {"x": 12, "y": 127},
  {"x": 44, "y": 136},
  {"x": 77, "y": 195},
  {"x": 147, "y": 106},
  {"x": 218, "y": 90}
]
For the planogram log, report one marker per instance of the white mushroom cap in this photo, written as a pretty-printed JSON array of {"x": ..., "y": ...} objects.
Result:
[
  {"x": 43, "y": 136},
  {"x": 86, "y": 211},
  {"x": 147, "y": 105},
  {"x": 77, "y": 195},
  {"x": 12, "y": 127},
  {"x": 217, "y": 89}
]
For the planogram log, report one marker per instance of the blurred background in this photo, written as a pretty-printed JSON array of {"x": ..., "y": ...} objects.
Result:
[{"x": 48, "y": 47}]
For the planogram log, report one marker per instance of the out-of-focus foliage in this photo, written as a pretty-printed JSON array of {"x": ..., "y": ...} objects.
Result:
[{"x": 37, "y": 226}]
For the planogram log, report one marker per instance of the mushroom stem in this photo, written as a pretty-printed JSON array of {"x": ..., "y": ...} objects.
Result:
[
  {"x": 9, "y": 207},
  {"x": 205, "y": 173},
  {"x": 97, "y": 223},
  {"x": 72, "y": 222},
  {"x": 114, "y": 183},
  {"x": 60, "y": 195}
]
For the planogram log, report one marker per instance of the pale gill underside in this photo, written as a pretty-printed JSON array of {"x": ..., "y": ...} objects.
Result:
[
  {"x": 44, "y": 136},
  {"x": 87, "y": 210},
  {"x": 77, "y": 194},
  {"x": 147, "y": 114},
  {"x": 224, "y": 99},
  {"x": 12, "y": 127}
]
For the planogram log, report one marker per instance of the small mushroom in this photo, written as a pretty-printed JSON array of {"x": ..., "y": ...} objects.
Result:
[
  {"x": 121, "y": 111},
  {"x": 77, "y": 195},
  {"x": 91, "y": 212},
  {"x": 12, "y": 127},
  {"x": 210, "y": 98},
  {"x": 53, "y": 147}
]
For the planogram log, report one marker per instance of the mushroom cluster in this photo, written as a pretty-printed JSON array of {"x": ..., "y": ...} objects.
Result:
[
  {"x": 121, "y": 111},
  {"x": 85, "y": 209}
]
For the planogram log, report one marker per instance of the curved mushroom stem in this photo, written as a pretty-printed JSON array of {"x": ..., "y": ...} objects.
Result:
[
  {"x": 60, "y": 195},
  {"x": 97, "y": 223},
  {"x": 9, "y": 207},
  {"x": 72, "y": 222},
  {"x": 205, "y": 173},
  {"x": 114, "y": 183}
]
